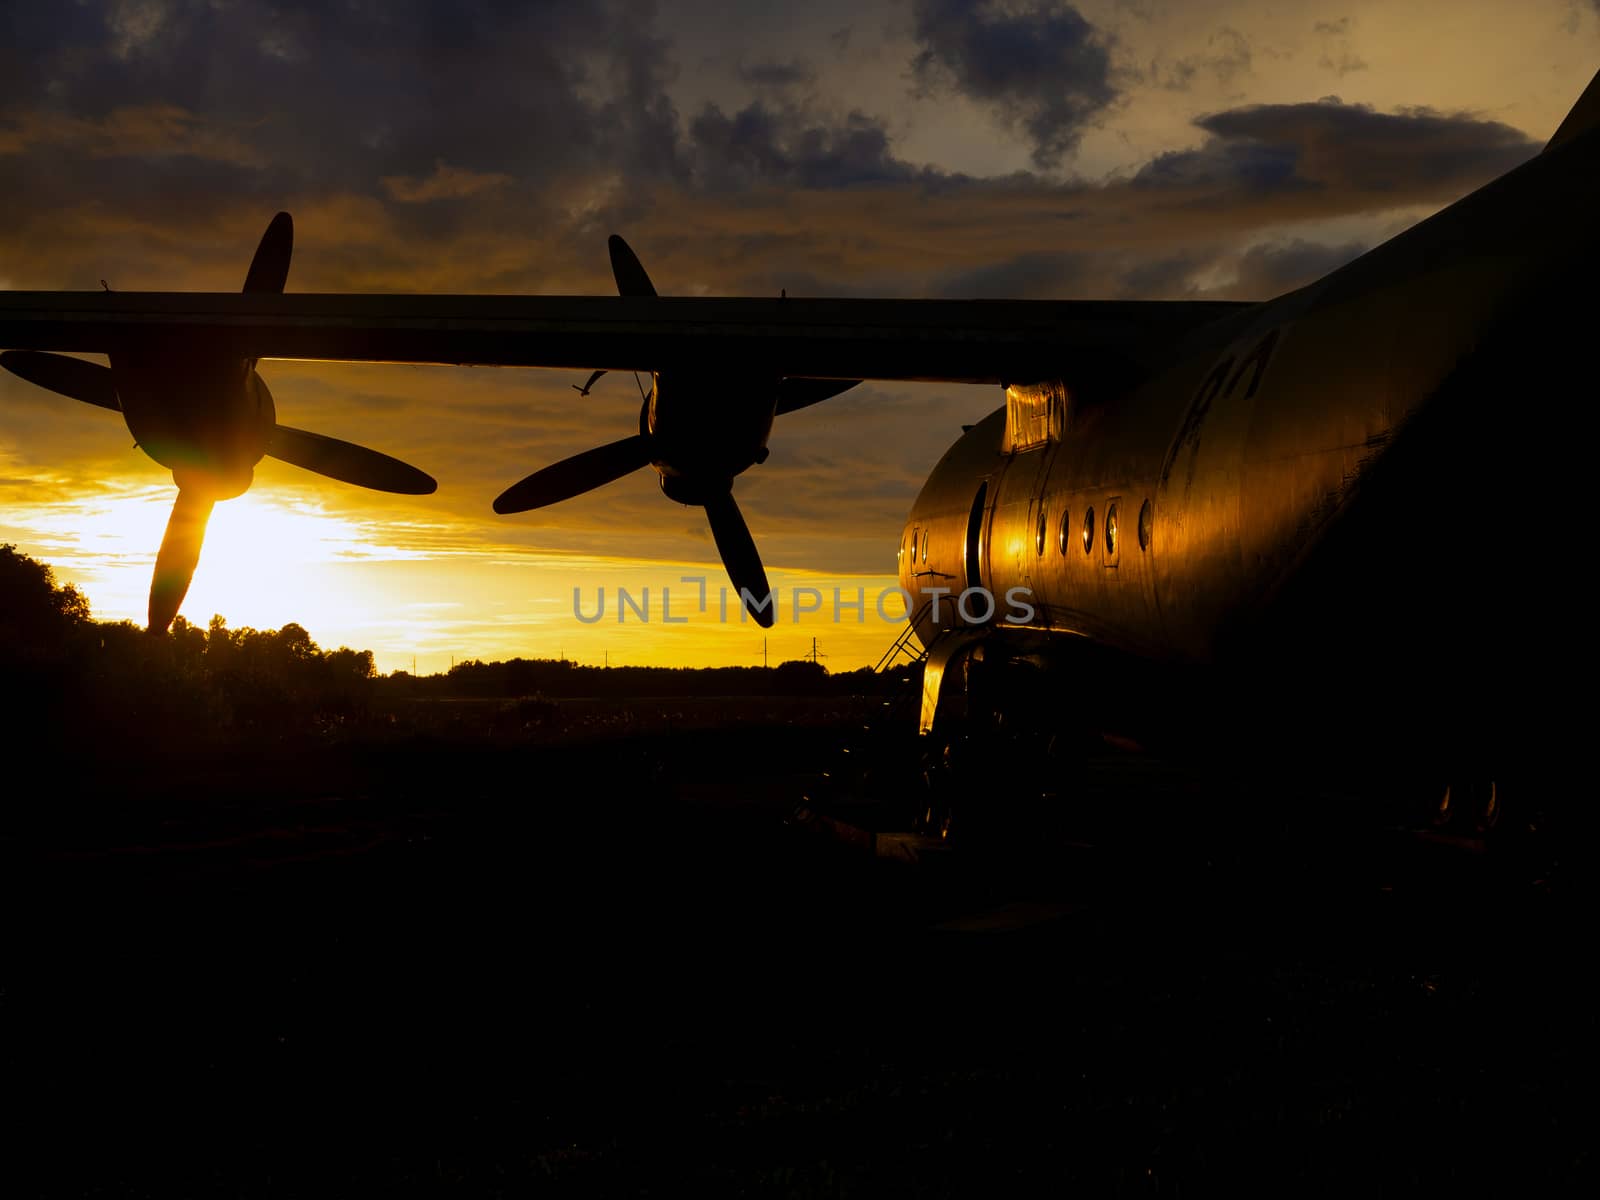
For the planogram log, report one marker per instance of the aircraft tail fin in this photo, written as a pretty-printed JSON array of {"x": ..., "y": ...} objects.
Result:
[{"x": 1585, "y": 115}]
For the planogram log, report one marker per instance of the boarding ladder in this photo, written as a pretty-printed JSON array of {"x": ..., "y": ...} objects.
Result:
[{"x": 902, "y": 644}]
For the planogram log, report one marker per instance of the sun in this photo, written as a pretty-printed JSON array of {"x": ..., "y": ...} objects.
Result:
[{"x": 266, "y": 559}]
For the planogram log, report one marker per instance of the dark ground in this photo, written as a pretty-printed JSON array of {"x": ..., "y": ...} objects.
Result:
[{"x": 605, "y": 964}]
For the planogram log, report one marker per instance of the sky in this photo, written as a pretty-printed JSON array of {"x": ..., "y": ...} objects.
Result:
[{"x": 1123, "y": 149}]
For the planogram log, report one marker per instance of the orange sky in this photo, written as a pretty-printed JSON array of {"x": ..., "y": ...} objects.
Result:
[{"x": 1135, "y": 149}]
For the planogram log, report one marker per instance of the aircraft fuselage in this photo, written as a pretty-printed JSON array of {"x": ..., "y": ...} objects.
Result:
[{"x": 1310, "y": 500}]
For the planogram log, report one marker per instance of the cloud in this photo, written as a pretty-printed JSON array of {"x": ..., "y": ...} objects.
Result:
[
  {"x": 1339, "y": 148},
  {"x": 788, "y": 146},
  {"x": 771, "y": 73},
  {"x": 1028, "y": 276},
  {"x": 1271, "y": 269},
  {"x": 1337, "y": 55},
  {"x": 153, "y": 131},
  {"x": 1227, "y": 56},
  {"x": 1344, "y": 64},
  {"x": 1041, "y": 66},
  {"x": 445, "y": 183}
]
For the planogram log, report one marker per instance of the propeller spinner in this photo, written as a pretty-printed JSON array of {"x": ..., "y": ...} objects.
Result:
[
  {"x": 209, "y": 421},
  {"x": 699, "y": 431}
]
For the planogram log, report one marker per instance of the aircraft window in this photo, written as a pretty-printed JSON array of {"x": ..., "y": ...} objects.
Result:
[
  {"x": 924, "y": 545},
  {"x": 1043, "y": 531},
  {"x": 1146, "y": 526},
  {"x": 1062, "y": 536},
  {"x": 1088, "y": 530},
  {"x": 1111, "y": 531}
]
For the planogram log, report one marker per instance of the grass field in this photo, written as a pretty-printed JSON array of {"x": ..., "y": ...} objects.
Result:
[{"x": 584, "y": 949}]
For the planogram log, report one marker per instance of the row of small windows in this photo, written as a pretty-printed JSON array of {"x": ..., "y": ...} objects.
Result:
[
  {"x": 1146, "y": 524},
  {"x": 914, "y": 545}
]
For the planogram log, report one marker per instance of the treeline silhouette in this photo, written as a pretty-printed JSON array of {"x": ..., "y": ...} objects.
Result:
[
  {"x": 559, "y": 678},
  {"x": 99, "y": 685},
  {"x": 106, "y": 687}
]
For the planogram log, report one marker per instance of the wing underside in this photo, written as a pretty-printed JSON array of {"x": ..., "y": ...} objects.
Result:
[{"x": 969, "y": 341}]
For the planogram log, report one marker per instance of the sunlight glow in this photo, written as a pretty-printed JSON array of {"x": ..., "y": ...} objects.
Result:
[{"x": 275, "y": 556}]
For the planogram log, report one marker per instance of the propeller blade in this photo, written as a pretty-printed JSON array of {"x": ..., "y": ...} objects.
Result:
[
  {"x": 269, "y": 269},
  {"x": 740, "y": 557},
  {"x": 348, "y": 462},
  {"x": 573, "y": 476},
  {"x": 627, "y": 270},
  {"x": 584, "y": 390},
  {"x": 71, "y": 377},
  {"x": 801, "y": 393},
  {"x": 179, "y": 555}
]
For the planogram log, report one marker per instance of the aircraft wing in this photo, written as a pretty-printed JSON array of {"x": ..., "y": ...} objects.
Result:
[{"x": 968, "y": 341}]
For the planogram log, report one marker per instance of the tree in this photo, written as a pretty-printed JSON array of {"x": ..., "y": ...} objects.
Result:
[{"x": 35, "y": 614}]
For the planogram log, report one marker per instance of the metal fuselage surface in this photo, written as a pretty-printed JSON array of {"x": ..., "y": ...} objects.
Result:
[{"x": 1348, "y": 494}]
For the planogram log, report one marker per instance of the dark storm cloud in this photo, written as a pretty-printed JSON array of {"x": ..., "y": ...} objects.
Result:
[
  {"x": 762, "y": 144},
  {"x": 1329, "y": 146},
  {"x": 777, "y": 74},
  {"x": 1041, "y": 66},
  {"x": 343, "y": 93}
]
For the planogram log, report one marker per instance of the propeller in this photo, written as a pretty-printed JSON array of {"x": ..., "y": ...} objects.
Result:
[
  {"x": 209, "y": 420},
  {"x": 70, "y": 377},
  {"x": 740, "y": 557},
  {"x": 573, "y": 476},
  {"x": 699, "y": 431},
  {"x": 178, "y": 557}
]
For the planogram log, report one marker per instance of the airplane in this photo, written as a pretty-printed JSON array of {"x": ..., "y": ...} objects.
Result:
[
  {"x": 208, "y": 417},
  {"x": 1340, "y": 528}
]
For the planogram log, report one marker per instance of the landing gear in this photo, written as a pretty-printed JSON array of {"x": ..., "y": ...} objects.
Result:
[
  {"x": 1468, "y": 807},
  {"x": 943, "y": 766},
  {"x": 1509, "y": 821}
]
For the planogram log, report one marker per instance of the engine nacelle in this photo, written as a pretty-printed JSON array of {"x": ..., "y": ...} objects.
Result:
[{"x": 704, "y": 432}]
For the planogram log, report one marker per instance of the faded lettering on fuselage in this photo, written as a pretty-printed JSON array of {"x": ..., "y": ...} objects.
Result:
[{"x": 1221, "y": 381}]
